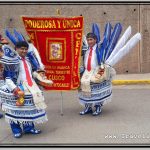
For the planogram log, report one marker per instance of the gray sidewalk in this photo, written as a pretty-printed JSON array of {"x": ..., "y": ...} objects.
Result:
[
  {"x": 125, "y": 79},
  {"x": 125, "y": 120},
  {"x": 144, "y": 76}
]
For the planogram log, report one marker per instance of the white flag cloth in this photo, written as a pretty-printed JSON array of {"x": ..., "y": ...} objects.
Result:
[
  {"x": 125, "y": 49},
  {"x": 120, "y": 43}
]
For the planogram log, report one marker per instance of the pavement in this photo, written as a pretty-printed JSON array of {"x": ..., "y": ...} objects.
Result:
[
  {"x": 126, "y": 79},
  {"x": 123, "y": 121}
]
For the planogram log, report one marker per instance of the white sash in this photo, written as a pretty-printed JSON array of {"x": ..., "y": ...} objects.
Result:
[
  {"x": 38, "y": 98},
  {"x": 85, "y": 80}
]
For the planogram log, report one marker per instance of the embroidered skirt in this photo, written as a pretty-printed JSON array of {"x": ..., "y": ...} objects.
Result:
[
  {"x": 100, "y": 93},
  {"x": 22, "y": 114}
]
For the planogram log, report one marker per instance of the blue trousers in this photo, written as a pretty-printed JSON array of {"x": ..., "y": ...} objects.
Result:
[
  {"x": 16, "y": 127},
  {"x": 96, "y": 104},
  {"x": 1, "y": 115}
]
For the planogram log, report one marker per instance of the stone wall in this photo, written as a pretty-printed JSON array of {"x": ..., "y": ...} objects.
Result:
[{"x": 137, "y": 61}]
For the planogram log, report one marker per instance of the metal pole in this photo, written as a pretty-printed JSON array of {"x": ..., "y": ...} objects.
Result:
[
  {"x": 61, "y": 104},
  {"x": 58, "y": 13}
]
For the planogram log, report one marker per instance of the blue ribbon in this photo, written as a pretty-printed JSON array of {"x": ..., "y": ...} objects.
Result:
[
  {"x": 113, "y": 40},
  {"x": 10, "y": 37}
]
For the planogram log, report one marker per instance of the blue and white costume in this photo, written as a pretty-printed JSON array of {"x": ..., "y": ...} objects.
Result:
[
  {"x": 96, "y": 86},
  {"x": 98, "y": 92},
  {"x": 14, "y": 76}
]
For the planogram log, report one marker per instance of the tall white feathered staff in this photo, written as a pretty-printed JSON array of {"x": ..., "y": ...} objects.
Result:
[
  {"x": 120, "y": 43},
  {"x": 112, "y": 49},
  {"x": 125, "y": 49}
]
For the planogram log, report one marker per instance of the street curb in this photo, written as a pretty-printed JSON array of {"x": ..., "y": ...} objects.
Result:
[{"x": 128, "y": 82}]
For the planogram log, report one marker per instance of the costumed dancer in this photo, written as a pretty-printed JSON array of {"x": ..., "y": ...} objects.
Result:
[
  {"x": 2, "y": 41},
  {"x": 34, "y": 58},
  {"x": 22, "y": 100},
  {"x": 99, "y": 59},
  {"x": 1, "y": 81},
  {"x": 1, "y": 78}
]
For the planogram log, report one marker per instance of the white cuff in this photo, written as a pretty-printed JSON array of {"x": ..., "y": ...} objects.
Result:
[{"x": 10, "y": 84}]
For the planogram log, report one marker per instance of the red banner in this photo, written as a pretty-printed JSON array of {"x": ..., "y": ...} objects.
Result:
[{"x": 58, "y": 41}]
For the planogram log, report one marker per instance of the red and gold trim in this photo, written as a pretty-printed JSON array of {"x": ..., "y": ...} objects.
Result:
[{"x": 59, "y": 41}]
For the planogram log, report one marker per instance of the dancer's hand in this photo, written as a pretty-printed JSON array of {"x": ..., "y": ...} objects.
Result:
[
  {"x": 1, "y": 54},
  {"x": 18, "y": 92}
]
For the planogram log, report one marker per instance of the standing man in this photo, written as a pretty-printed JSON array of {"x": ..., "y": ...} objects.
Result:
[
  {"x": 1, "y": 79},
  {"x": 2, "y": 41},
  {"x": 25, "y": 104},
  {"x": 93, "y": 93},
  {"x": 1, "y": 71}
]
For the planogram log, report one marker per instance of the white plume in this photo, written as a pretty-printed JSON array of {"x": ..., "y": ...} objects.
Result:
[
  {"x": 125, "y": 49},
  {"x": 120, "y": 43}
]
